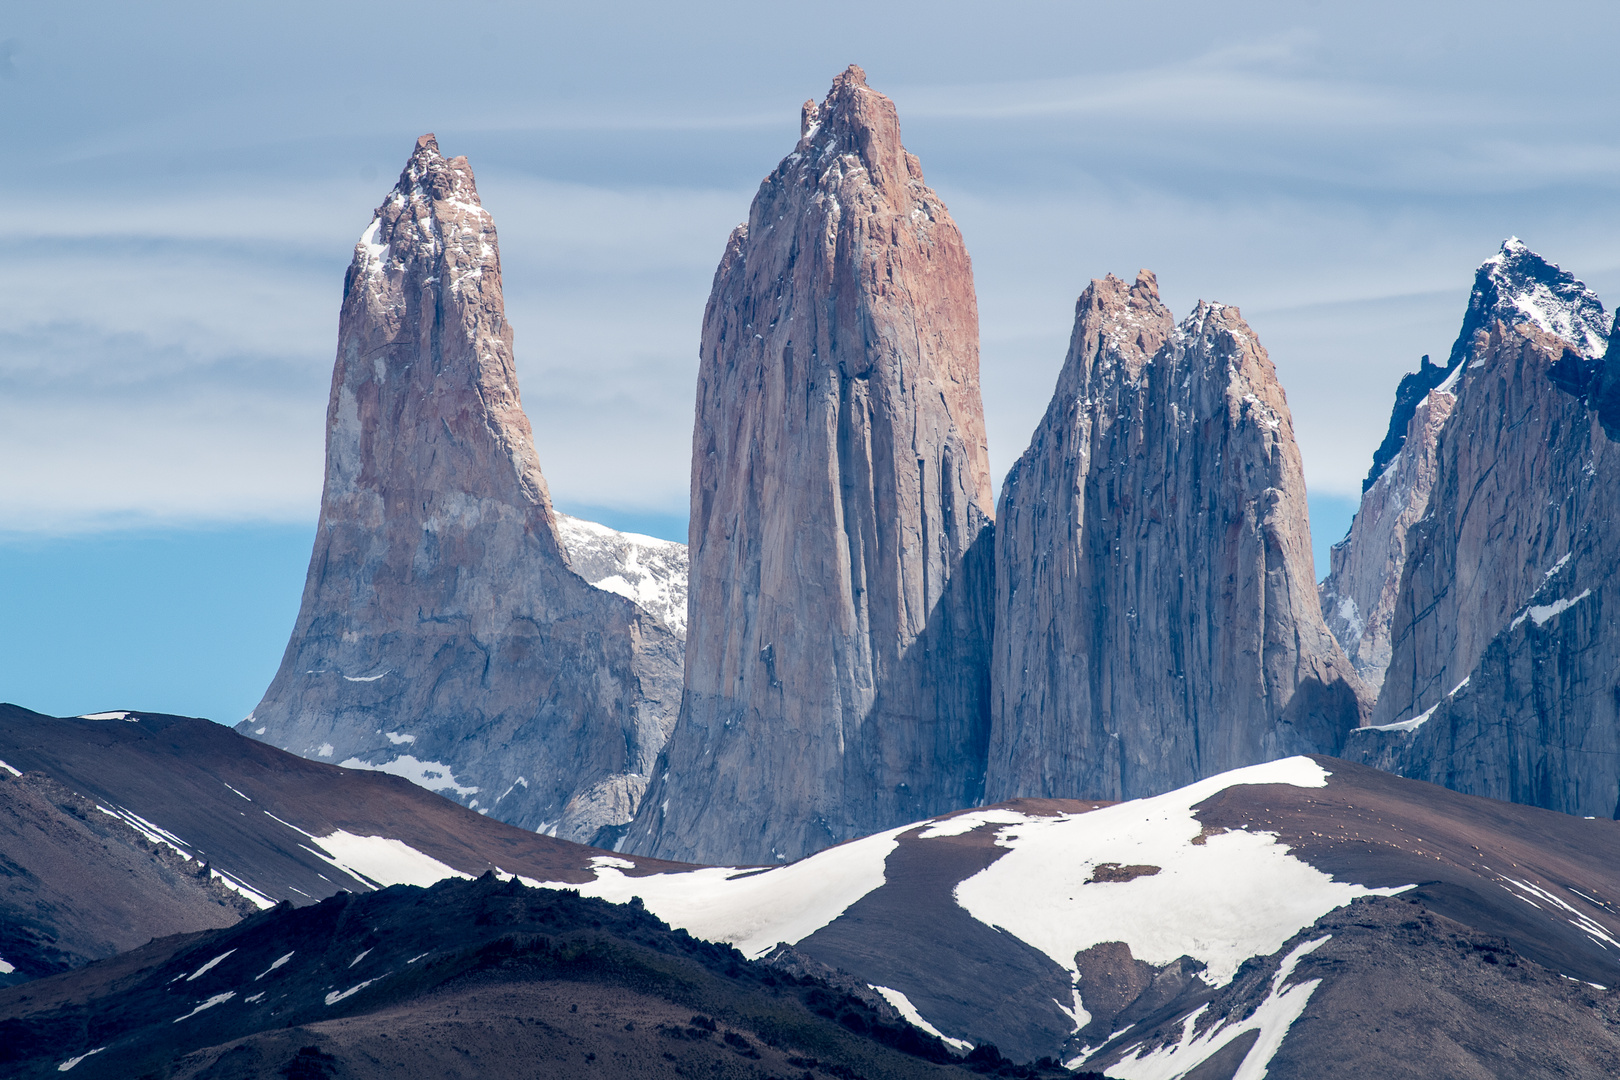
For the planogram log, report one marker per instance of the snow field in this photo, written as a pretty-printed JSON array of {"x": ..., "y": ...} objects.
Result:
[
  {"x": 1238, "y": 894},
  {"x": 750, "y": 909}
]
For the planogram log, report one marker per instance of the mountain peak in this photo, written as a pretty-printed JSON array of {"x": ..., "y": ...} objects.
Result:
[{"x": 1516, "y": 285}]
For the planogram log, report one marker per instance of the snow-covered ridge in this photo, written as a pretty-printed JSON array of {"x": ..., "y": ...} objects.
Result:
[
  {"x": 1519, "y": 286},
  {"x": 650, "y": 571}
]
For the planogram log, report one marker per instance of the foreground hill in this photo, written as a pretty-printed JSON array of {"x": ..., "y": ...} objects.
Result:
[
  {"x": 479, "y": 978},
  {"x": 1308, "y": 916},
  {"x": 155, "y": 817}
]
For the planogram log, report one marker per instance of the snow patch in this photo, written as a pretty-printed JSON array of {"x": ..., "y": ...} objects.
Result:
[
  {"x": 258, "y": 899},
  {"x": 338, "y": 995},
  {"x": 433, "y": 775},
  {"x": 384, "y": 860},
  {"x": 72, "y": 1061},
  {"x": 746, "y": 907},
  {"x": 1272, "y": 1019},
  {"x": 966, "y": 823},
  {"x": 107, "y": 716},
  {"x": 1540, "y": 613},
  {"x": 272, "y": 967},
  {"x": 1238, "y": 894},
  {"x": 397, "y": 738},
  {"x": 217, "y": 999},
  {"x": 906, "y": 1009},
  {"x": 209, "y": 966},
  {"x": 1415, "y": 722},
  {"x": 5, "y": 967},
  {"x": 325, "y": 750},
  {"x": 9, "y": 769},
  {"x": 365, "y": 678}
]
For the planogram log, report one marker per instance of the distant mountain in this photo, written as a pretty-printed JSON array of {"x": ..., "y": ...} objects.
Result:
[
  {"x": 444, "y": 634},
  {"x": 1156, "y": 619},
  {"x": 1501, "y": 680},
  {"x": 841, "y": 578},
  {"x": 1514, "y": 289},
  {"x": 1274, "y": 916},
  {"x": 650, "y": 571}
]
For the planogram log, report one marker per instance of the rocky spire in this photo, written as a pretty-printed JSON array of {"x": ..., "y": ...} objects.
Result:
[
  {"x": 1514, "y": 288},
  {"x": 839, "y": 619},
  {"x": 1156, "y": 618},
  {"x": 1489, "y": 530},
  {"x": 442, "y": 635}
]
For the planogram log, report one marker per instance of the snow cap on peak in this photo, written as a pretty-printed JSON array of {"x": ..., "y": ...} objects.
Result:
[{"x": 1516, "y": 286}]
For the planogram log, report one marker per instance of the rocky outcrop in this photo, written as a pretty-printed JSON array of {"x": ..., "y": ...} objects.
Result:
[
  {"x": 1156, "y": 618},
  {"x": 442, "y": 634},
  {"x": 839, "y": 620},
  {"x": 1504, "y": 676},
  {"x": 1358, "y": 595},
  {"x": 1499, "y": 515},
  {"x": 650, "y": 571}
]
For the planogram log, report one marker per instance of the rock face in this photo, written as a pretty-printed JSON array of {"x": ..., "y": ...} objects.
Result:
[
  {"x": 1358, "y": 595},
  {"x": 650, "y": 571},
  {"x": 1499, "y": 516},
  {"x": 836, "y": 678},
  {"x": 1156, "y": 621},
  {"x": 443, "y": 636},
  {"x": 1503, "y": 678}
]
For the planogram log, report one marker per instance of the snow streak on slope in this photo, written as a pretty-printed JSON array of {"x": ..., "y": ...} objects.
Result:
[
  {"x": 1272, "y": 1019},
  {"x": 1234, "y": 895}
]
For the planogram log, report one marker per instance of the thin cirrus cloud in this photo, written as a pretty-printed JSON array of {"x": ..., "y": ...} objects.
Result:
[{"x": 175, "y": 285}]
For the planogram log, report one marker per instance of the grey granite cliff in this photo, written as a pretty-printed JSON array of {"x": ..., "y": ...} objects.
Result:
[
  {"x": 839, "y": 613},
  {"x": 442, "y": 634},
  {"x": 1156, "y": 621}
]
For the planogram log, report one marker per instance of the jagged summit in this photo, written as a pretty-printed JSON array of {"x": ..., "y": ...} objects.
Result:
[
  {"x": 836, "y": 675},
  {"x": 1155, "y": 619},
  {"x": 1515, "y": 285},
  {"x": 443, "y": 634}
]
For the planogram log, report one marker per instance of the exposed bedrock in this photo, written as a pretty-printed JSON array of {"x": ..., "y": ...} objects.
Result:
[
  {"x": 1156, "y": 618},
  {"x": 1518, "y": 467},
  {"x": 1503, "y": 681},
  {"x": 840, "y": 543},
  {"x": 442, "y": 634}
]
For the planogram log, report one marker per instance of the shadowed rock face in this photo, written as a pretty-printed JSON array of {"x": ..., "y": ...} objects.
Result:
[
  {"x": 839, "y": 617},
  {"x": 1513, "y": 462},
  {"x": 1156, "y": 620},
  {"x": 1515, "y": 287},
  {"x": 1520, "y": 702},
  {"x": 442, "y": 634}
]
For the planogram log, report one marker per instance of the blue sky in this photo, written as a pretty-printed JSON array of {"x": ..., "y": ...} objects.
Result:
[{"x": 188, "y": 180}]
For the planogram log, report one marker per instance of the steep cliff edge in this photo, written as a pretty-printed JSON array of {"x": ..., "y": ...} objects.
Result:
[
  {"x": 1156, "y": 621},
  {"x": 1515, "y": 287},
  {"x": 839, "y": 615},
  {"x": 1520, "y": 702},
  {"x": 1499, "y": 514},
  {"x": 442, "y": 635}
]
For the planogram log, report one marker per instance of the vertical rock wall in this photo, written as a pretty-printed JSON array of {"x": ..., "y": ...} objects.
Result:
[
  {"x": 1523, "y": 702},
  {"x": 1499, "y": 515},
  {"x": 442, "y": 635},
  {"x": 1358, "y": 595},
  {"x": 839, "y": 620},
  {"x": 1156, "y": 618}
]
